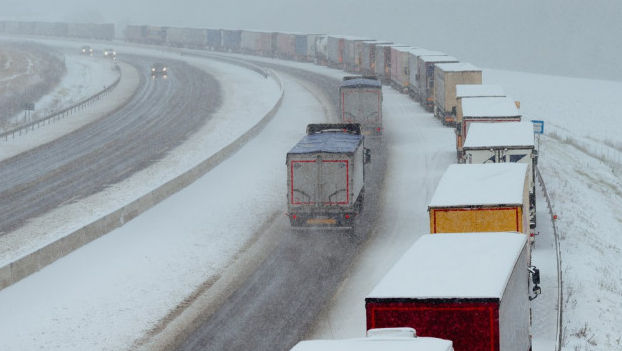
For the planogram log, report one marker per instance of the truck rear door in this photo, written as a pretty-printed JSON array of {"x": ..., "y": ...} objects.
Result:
[
  {"x": 361, "y": 106},
  {"x": 303, "y": 182},
  {"x": 333, "y": 184}
]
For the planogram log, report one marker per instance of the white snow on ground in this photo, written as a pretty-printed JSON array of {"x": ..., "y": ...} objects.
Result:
[
  {"x": 106, "y": 295},
  {"x": 581, "y": 162},
  {"x": 85, "y": 77},
  {"x": 12, "y": 146}
]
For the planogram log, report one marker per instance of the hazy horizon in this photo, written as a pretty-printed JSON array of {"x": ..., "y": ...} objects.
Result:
[{"x": 560, "y": 37}]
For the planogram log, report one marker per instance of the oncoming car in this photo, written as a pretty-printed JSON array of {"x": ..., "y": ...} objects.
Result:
[
  {"x": 110, "y": 53},
  {"x": 159, "y": 69},
  {"x": 86, "y": 50}
]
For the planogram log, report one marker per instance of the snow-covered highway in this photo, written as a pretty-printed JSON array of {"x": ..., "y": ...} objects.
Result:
[{"x": 132, "y": 288}]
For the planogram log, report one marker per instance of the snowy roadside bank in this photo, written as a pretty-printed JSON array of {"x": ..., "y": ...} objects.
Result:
[
  {"x": 85, "y": 77},
  {"x": 581, "y": 161},
  {"x": 39, "y": 136}
]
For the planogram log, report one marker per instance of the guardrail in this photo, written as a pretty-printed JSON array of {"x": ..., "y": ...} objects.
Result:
[
  {"x": 64, "y": 112},
  {"x": 560, "y": 299}
]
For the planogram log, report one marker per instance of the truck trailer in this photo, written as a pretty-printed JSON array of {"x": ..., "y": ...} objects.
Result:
[
  {"x": 360, "y": 100},
  {"x": 446, "y": 77},
  {"x": 399, "y": 67},
  {"x": 326, "y": 176},
  {"x": 472, "y": 289},
  {"x": 481, "y": 198},
  {"x": 425, "y": 78},
  {"x": 504, "y": 142},
  {"x": 413, "y": 56},
  {"x": 483, "y": 110},
  {"x": 382, "y": 339},
  {"x": 382, "y": 67},
  {"x": 368, "y": 56}
]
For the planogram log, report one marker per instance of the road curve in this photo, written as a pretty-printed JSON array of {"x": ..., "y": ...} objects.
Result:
[
  {"x": 279, "y": 302},
  {"x": 161, "y": 114}
]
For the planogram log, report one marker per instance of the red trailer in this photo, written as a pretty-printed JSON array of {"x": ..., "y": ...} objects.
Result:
[{"x": 470, "y": 288}]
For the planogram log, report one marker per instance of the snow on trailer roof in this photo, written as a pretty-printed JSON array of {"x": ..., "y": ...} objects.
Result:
[
  {"x": 348, "y": 37},
  {"x": 376, "y": 344},
  {"x": 494, "y": 135},
  {"x": 457, "y": 67},
  {"x": 480, "y": 185},
  {"x": 478, "y": 90},
  {"x": 361, "y": 83},
  {"x": 426, "y": 52},
  {"x": 402, "y": 48},
  {"x": 483, "y": 107},
  {"x": 438, "y": 58},
  {"x": 330, "y": 142},
  {"x": 457, "y": 265}
]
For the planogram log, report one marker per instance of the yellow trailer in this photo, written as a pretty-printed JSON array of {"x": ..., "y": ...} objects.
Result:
[{"x": 481, "y": 198}]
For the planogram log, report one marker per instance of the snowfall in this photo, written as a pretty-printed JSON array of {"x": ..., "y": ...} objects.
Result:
[{"x": 114, "y": 292}]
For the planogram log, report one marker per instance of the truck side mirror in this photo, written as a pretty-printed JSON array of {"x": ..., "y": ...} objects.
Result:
[
  {"x": 367, "y": 156},
  {"x": 535, "y": 276},
  {"x": 535, "y": 279}
]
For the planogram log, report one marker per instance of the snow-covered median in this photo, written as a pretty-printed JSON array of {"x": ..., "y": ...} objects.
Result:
[{"x": 112, "y": 291}]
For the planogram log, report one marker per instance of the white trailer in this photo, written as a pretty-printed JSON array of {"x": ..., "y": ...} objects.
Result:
[
  {"x": 413, "y": 55},
  {"x": 399, "y": 67},
  {"x": 360, "y": 100},
  {"x": 504, "y": 142},
  {"x": 383, "y": 61},
  {"x": 326, "y": 177},
  {"x": 382, "y": 339},
  {"x": 486, "y": 110}
]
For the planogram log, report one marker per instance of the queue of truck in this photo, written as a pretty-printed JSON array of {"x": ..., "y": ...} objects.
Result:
[{"x": 464, "y": 286}]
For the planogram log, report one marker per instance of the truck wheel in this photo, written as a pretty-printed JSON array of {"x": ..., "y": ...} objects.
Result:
[{"x": 358, "y": 205}]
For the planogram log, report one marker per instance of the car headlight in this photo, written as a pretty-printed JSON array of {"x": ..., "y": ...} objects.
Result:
[{"x": 164, "y": 69}]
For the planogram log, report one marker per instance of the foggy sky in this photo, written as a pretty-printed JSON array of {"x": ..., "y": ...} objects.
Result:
[{"x": 563, "y": 37}]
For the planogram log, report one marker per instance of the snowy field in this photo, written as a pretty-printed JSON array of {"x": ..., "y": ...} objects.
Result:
[
  {"x": 85, "y": 77},
  {"x": 581, "y": 162},
  {"x": 114, "y": 290}
]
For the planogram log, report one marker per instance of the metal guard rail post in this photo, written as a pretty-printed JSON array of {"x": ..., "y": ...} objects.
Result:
[{"x": 558, "y": 335}]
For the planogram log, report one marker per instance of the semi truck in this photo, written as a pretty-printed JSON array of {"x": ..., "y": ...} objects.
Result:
[
  {"x": 381, "y": 339},
  {"x": 504, "y": 142},
  {"x": 472, "y": 289},
  {"x": 399, "y": 68},
  {"x": 481, "y": 198},
  {"x": 326, "y": 176},
  {"x": 425, "y": 78},
  {"x": 413, "y": 56},
  {"x": 483, "y": 110},
  {"x": 446, "y": 77},
  {"x": 360, "y": 100}
]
